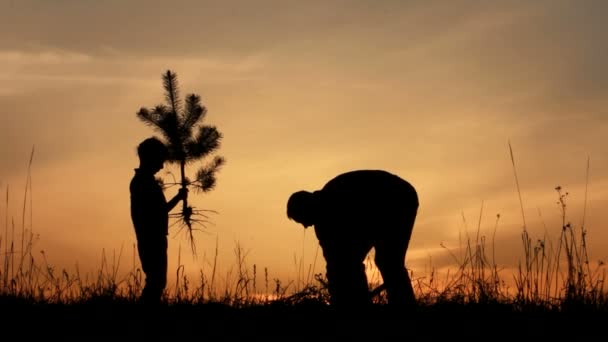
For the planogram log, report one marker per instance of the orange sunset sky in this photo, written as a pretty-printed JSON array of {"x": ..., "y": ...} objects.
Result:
[{"x": 433, "y": 91}]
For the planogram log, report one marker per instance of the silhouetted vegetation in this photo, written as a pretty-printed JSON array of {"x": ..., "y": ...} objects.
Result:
[{"x": 554, "y": 278}]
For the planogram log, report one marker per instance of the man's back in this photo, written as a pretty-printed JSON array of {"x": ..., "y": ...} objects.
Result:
[{"x": 366, "y": 196}]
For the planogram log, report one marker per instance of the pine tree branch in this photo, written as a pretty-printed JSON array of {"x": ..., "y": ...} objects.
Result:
[
  {"x": 153, "y": 117},
  {"x": 206, "y": 175},
  {"x": 194, "y": 113},
  {"x": 207, "y": 140},
  {"x": 172, "y": 91}
]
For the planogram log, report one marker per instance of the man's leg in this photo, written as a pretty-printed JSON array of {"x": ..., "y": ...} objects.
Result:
[
  {"x": 346, "y": 278},
  {"x": 390, "y": 260},
  {"x": 396, "y": 279}
]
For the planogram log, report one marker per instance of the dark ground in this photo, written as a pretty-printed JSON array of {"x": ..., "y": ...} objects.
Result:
[{"x": 125, "y": 320}]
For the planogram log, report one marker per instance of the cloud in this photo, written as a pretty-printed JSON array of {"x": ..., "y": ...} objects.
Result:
[{"x": 55, "y": 65}]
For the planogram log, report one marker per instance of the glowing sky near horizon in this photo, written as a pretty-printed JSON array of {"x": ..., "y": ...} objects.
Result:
[{"x": 303, "y": 90}]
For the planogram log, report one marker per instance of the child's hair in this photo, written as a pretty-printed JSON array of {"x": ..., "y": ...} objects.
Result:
[{"x": 152, "y": 149}]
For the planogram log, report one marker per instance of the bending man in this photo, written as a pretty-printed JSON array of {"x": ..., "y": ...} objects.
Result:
[{"x": 352, "y": 213}]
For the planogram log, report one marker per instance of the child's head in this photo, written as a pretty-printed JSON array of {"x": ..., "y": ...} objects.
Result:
[{"x": 152, "y": 154}]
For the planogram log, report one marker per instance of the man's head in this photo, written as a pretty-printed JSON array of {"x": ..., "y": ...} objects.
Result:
[
  {"x": 302, "y": 208},
  {"x": 152, "y": 154}
]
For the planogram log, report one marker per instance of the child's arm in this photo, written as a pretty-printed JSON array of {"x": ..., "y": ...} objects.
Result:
[{"x": 181, "y": 194}]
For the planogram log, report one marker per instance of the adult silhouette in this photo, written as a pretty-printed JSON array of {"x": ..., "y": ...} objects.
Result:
[
  {"x": 352, "y": 213},
  {"x": 150, "y": 216}
]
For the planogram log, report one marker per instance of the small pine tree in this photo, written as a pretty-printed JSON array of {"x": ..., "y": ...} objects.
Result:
[{"x": 188, "y": 140}]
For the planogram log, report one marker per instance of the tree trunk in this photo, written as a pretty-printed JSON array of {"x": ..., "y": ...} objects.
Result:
[{"x": 183, "y": 174}]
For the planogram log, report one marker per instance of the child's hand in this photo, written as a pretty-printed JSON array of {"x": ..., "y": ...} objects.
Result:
[{"x": 182, "y": 193}]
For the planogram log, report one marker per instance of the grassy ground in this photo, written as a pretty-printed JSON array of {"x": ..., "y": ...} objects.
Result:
[
  {"x": 558, "y": 291},
  {"x": 116, "y": 318}
]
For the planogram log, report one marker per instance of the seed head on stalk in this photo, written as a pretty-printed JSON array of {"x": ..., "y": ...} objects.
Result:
[{"x": 188, "y": 140}]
